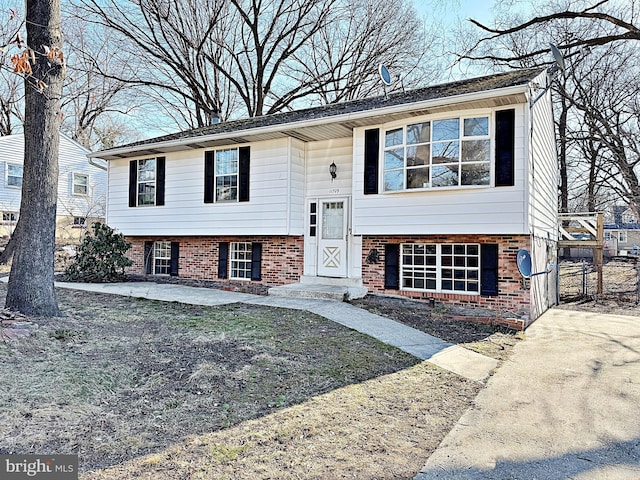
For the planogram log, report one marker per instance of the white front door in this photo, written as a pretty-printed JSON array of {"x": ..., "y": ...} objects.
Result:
[{"x": 332, "y": 241}]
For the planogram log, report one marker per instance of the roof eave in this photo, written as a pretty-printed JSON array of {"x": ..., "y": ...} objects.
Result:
[{"x": 172, "y": 145}]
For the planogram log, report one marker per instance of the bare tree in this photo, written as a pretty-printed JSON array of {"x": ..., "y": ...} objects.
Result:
[
  {"x": 31, "y": 289},
  {"x": 591, "y": 166},
  {"x": 11, "y": 91},
  {"x": 606, "y": 96},
  {"x": 235, "y": 58},
  {"x": 609, "y": 22},
  {"x": 360, "y": 35},
  {"x": 95, "y": 106}
]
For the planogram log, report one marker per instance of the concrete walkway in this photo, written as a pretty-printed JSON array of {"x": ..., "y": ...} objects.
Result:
[
  {"x": 451, "y": 357},
  {"x": 565, "y": 406}
]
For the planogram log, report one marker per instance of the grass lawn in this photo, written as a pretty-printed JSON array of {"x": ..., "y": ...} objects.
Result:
[{"x": 146, "y": 389}]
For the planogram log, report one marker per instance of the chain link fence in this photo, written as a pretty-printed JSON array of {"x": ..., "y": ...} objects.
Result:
[{"x": 620, "y": 279}]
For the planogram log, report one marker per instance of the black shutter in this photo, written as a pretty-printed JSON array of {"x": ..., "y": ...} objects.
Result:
[
  {"x": 223, "y": 259},
  {"x": 133, "y": 183},
  {"x": 148, "y": 258},
  {"x": 371, "y": 152},
  {"x": 256, "y": 261},
  {"x": 392, "y": 266},
  {"x": 209, "y": 159},
  {"x": 175, "y": 255},
  {"x": 243, "y": 174},
  {"x": 505, "y": 147},
  {"x": 160, "y": 167},
  {"x": 489, "y": 269}
]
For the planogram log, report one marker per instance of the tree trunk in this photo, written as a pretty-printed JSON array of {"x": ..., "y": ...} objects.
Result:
[
  {"x": 31, "y": 288},
  {"x": 562, "y": 154}
]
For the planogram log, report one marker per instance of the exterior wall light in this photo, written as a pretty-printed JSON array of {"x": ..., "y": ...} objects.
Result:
[{"x": 332, "y": 171}]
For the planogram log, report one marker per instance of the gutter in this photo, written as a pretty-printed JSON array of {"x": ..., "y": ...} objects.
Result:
[{"x": 405, "y": 107}]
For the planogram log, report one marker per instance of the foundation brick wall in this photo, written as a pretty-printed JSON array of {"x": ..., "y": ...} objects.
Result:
[
  {"x": 512, "y": 304},
  {"x": 282, "y": 257}
]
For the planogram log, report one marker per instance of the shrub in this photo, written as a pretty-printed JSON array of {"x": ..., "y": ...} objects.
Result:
[{"x": 100, "y": 258}]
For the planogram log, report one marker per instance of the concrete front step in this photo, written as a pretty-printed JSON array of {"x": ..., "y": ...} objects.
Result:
[{"x": 340, "y": 293}]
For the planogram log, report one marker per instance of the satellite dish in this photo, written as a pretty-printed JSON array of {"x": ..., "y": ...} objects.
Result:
[
  {"x": 384, "y": 74},
  {"x": 523, "y": 259},
  {"x": 557, "y": 55}
]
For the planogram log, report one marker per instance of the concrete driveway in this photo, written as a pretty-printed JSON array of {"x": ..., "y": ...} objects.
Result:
[{"x": 567, "y": 405}]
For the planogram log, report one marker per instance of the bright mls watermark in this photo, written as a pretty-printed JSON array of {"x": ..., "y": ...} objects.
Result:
[{"x": 46, "y": 467}]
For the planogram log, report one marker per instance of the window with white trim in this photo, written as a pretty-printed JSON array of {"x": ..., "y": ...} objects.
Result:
[
  {"x": 146, "y": 179},
  {"x": 9, "y": 217},
  {"x": 162, "y": 258},
  {"x": 226, "y": 175},
  {"x": 622, "y": 236},
  {"x": 80, "y": 184},
  {"x": 452, "y": 152},
  {"x": 14, "y": 175},
  {"x": 240, "y": 264},
  {"x": 448, "y": 268},
  {"x": 79, "y": 221}
]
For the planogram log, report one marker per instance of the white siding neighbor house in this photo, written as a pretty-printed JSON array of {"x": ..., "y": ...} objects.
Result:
[
  {"x": 82, "y": 187},
  {"x": 427, "y": 194}
]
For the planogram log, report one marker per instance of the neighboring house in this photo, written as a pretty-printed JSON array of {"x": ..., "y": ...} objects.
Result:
[
  {"x": 81, "y": 187},
  {"x": 623, "y": 235},
  {"x": 427, "y": 194}
]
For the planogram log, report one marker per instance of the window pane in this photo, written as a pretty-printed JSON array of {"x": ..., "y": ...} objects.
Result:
[
  {"x": 14, "y": 175},
  {"x": 475, "y": 151},
  {"x": 476, "y": 126},
  {"x": 475, "y": 174},
  {"x": 446, "y": 152},
  {"x": 418, "y": 133},
  {"x": 146, "y": 194},
  {"x": 226, "y": 188},
  {"x": 147, "y": 170},
  {"x": 394, "y": 159},
  {"x": 446, "y": 129},
  {"x": 418, "y": 155},
  {"x": 227, "y": 161},
  {"x": 418, "y": 178},
  {"x": 393, "y": 138},
  {"x": 393, "y": 180},
  {"x": 445, "y": 176},
  {"x": 80, "y": 179},
  {"x": 333, "y": 220}
]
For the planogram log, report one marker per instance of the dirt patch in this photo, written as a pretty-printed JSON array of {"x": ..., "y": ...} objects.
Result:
[{"x": 446, "y": 322}]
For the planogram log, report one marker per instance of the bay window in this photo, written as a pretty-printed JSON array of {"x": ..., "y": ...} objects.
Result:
[{"x": 452, "y": 152}]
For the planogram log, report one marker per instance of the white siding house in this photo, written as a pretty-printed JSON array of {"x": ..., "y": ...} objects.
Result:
[
  {"x": 427, "y": 194},
  {"x": 82, "y": 187}
]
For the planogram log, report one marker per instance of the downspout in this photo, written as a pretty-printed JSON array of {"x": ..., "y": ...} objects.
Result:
[{"x": 92, "y": 161}]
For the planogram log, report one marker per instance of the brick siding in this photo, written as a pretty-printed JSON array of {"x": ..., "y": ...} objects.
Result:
[{"x": 282, "y": 257}]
